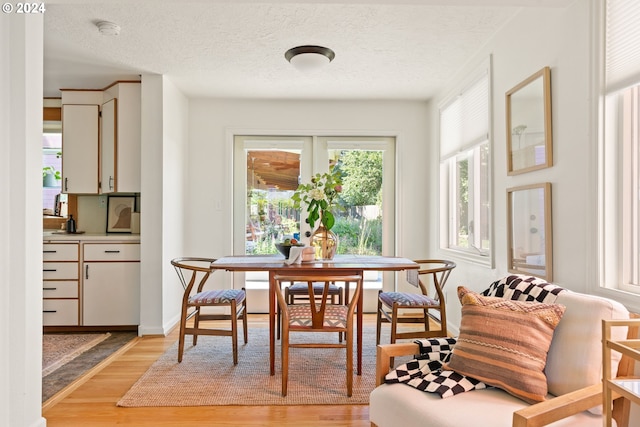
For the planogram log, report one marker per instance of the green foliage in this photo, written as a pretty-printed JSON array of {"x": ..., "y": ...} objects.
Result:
[
  {"x": 321, "y": 196},
  {"x": 362, "y": 171},
  {"x": 359, "y": 236},
  {"x": 50, "y": 170}
]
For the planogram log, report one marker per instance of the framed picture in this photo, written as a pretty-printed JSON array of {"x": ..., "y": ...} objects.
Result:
[
  {"x": 119, "y": 210},
  {"x": 529, "y": 234},
  {"x": 528, "y": 106}
]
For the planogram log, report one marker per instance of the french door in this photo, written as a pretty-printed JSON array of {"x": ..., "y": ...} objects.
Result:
[{"x": 268, "y": 169}]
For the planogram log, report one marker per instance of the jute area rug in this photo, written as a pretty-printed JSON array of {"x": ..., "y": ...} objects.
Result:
[
  {"x": 207, "y": 375},
  {"x": 60, "y": 349}
]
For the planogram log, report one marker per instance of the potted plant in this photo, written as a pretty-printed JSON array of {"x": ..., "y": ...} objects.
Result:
[{"x": 50, "y": 176}]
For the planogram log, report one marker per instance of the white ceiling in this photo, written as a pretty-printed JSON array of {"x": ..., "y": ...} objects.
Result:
[{"x": 384, "y": 49}]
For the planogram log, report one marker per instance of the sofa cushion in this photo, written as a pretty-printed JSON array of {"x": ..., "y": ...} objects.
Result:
[
  {"x": 575, "y": 356},
  {"x": 392, "y": 405},
  {"x": 504, "y": 343},
  {"x": 574, "y": 360}
]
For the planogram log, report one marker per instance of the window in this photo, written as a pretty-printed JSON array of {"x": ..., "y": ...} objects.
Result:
[
  {"x": 465, "y": 204},
  {"x": 620, "y": 148},
  {"x": 51, "y": 175}
]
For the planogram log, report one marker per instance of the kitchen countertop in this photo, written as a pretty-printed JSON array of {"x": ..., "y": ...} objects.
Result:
[{"x": 57, "y": 235}]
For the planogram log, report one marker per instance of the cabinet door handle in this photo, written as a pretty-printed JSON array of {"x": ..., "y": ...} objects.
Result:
[
  {"x": 111, "y": 182},
  {"x": 111, "y": 252},
  {"x": 49, "y": 289},
  {"x": 66, "y": 184},
  {"x": 86, "y": 271},
  {"x": 49, "y": 311},
  {"x": 50, "y": 251},
  {"x": 49, "y": 269}
]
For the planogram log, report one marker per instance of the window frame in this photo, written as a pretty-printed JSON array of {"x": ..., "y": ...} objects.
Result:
[
  {"x": 448, "y": 161},
  {"x": 618, "y": 167}
]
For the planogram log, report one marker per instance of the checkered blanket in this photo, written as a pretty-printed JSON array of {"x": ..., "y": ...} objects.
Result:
[{"x": 425, "y": 372}]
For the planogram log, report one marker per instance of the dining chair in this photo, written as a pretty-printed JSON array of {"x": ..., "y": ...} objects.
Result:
[
  {"x": 192, "y": 271},
  {"x": 299, "y": 292},
  {"x": 318, "y": 316},
  {"x": 405, "y": 307}
]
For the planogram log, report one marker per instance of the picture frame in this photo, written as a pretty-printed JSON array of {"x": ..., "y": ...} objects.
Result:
[
  {"x": 119, "y": 213},
  {"x": 529, "y": 131},
  {"x": 529, "y": 230}
]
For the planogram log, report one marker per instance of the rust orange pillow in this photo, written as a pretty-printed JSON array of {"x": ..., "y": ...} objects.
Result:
[{"x": 504, "y": 343}]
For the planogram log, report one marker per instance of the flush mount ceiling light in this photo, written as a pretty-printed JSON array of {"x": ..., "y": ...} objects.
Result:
[
  {"x": 308, "y": 58},
  {"x": 107, "y": 28}
]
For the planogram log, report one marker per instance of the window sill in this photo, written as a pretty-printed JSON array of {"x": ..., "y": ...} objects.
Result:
[
  {"x": 629, "y": 299},
  {"x": 485, "y": 261}
]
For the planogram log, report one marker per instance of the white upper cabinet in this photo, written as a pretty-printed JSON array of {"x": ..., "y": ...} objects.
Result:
[
  {"x": 108, "y": 151},
  {"x": 80, "y": 132},
  {"x": 101, "y": 144},
  {"x": 120, "y": 150}
]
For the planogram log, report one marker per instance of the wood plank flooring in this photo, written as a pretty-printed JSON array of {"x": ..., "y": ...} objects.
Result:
[{"x": 93, "y": 402}]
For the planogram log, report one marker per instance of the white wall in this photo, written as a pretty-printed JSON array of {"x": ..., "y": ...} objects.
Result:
[
  {"x": 164, "y": 146},
  {"x": 560, "y": 39},
  {"x": 175, "y": 190},
  {"x": 212, "y": 123},
  {"x": 21, "y": 226}
]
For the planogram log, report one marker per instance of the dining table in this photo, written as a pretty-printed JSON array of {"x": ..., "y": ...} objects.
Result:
[{"x": 339, "y": 265}]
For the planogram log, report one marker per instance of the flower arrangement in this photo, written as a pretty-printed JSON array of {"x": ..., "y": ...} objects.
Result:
[{"x": 321, "y": 196}]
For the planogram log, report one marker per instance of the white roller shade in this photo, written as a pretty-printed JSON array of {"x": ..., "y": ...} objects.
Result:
[
  {"x": 622, "y": 44},
  {"x": 464, "y": 121}
]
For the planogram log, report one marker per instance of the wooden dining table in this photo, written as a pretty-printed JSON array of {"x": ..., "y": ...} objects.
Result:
[{"x": 340, "y": 264}]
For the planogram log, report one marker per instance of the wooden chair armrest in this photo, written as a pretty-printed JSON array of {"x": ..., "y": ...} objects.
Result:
[
  {"x": 385, "y": 352},
  {"x": 543, "y": 413}
]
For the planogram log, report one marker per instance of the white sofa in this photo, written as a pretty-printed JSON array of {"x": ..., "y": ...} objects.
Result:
[{"x": 573, "y": 371}]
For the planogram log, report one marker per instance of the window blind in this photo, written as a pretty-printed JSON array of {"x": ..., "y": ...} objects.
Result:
[
  {"x": 464, "y": 120},
  {"x": 622, "y": 38}
]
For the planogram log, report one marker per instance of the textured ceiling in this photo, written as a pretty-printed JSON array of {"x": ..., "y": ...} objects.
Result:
[{"x": 384, "y": 49}]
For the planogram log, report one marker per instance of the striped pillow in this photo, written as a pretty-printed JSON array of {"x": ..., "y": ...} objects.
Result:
[{"x": 504, "y": 343}]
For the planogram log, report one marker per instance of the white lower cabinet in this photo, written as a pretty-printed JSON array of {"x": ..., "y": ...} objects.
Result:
[
  {"x": 60, "y": 312},
  {"x": 60, "y": 282},
  {"x": 111, "y": 294},
  {"x": 111, "y": 284}
]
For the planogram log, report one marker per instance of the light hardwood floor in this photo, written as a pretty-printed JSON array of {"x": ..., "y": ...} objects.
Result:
[{"x": 93, "y": 403}]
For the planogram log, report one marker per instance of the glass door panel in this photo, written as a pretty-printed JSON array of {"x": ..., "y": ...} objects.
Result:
[{"x": 272, "y": 177}]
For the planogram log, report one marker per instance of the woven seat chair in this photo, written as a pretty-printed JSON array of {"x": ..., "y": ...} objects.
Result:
[
  {"x": 317, "y": 317},
  {"x": 403, "y": 307},
  {"x": 299, "y": 292},
  {"x": 192, "y": 271}
]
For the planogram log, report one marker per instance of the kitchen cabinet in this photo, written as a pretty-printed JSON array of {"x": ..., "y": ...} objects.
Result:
[
  {"x": 108, "y": 135},
  {"x": 80, "y": 133},
  {"x": 60, "y": 284},
  {"x": 120, "y": 138},
  {"x": 111, "y": 284},
  {"x": 101, "y": 139}
]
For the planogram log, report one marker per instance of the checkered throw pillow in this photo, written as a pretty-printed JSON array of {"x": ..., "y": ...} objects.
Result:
[
  {"x": 518, "y": 287},
  {"x": 425, "y": 372}
]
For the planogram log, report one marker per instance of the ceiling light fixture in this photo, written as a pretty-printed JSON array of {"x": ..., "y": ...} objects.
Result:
[
  {"x": 309, "y": 58},
  {"x": 107, "y": 28}
]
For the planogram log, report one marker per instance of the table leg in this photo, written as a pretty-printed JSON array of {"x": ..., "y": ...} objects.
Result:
[
  {"x": 272, "y": 322},
  {"x": 359, "y": 326}
]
